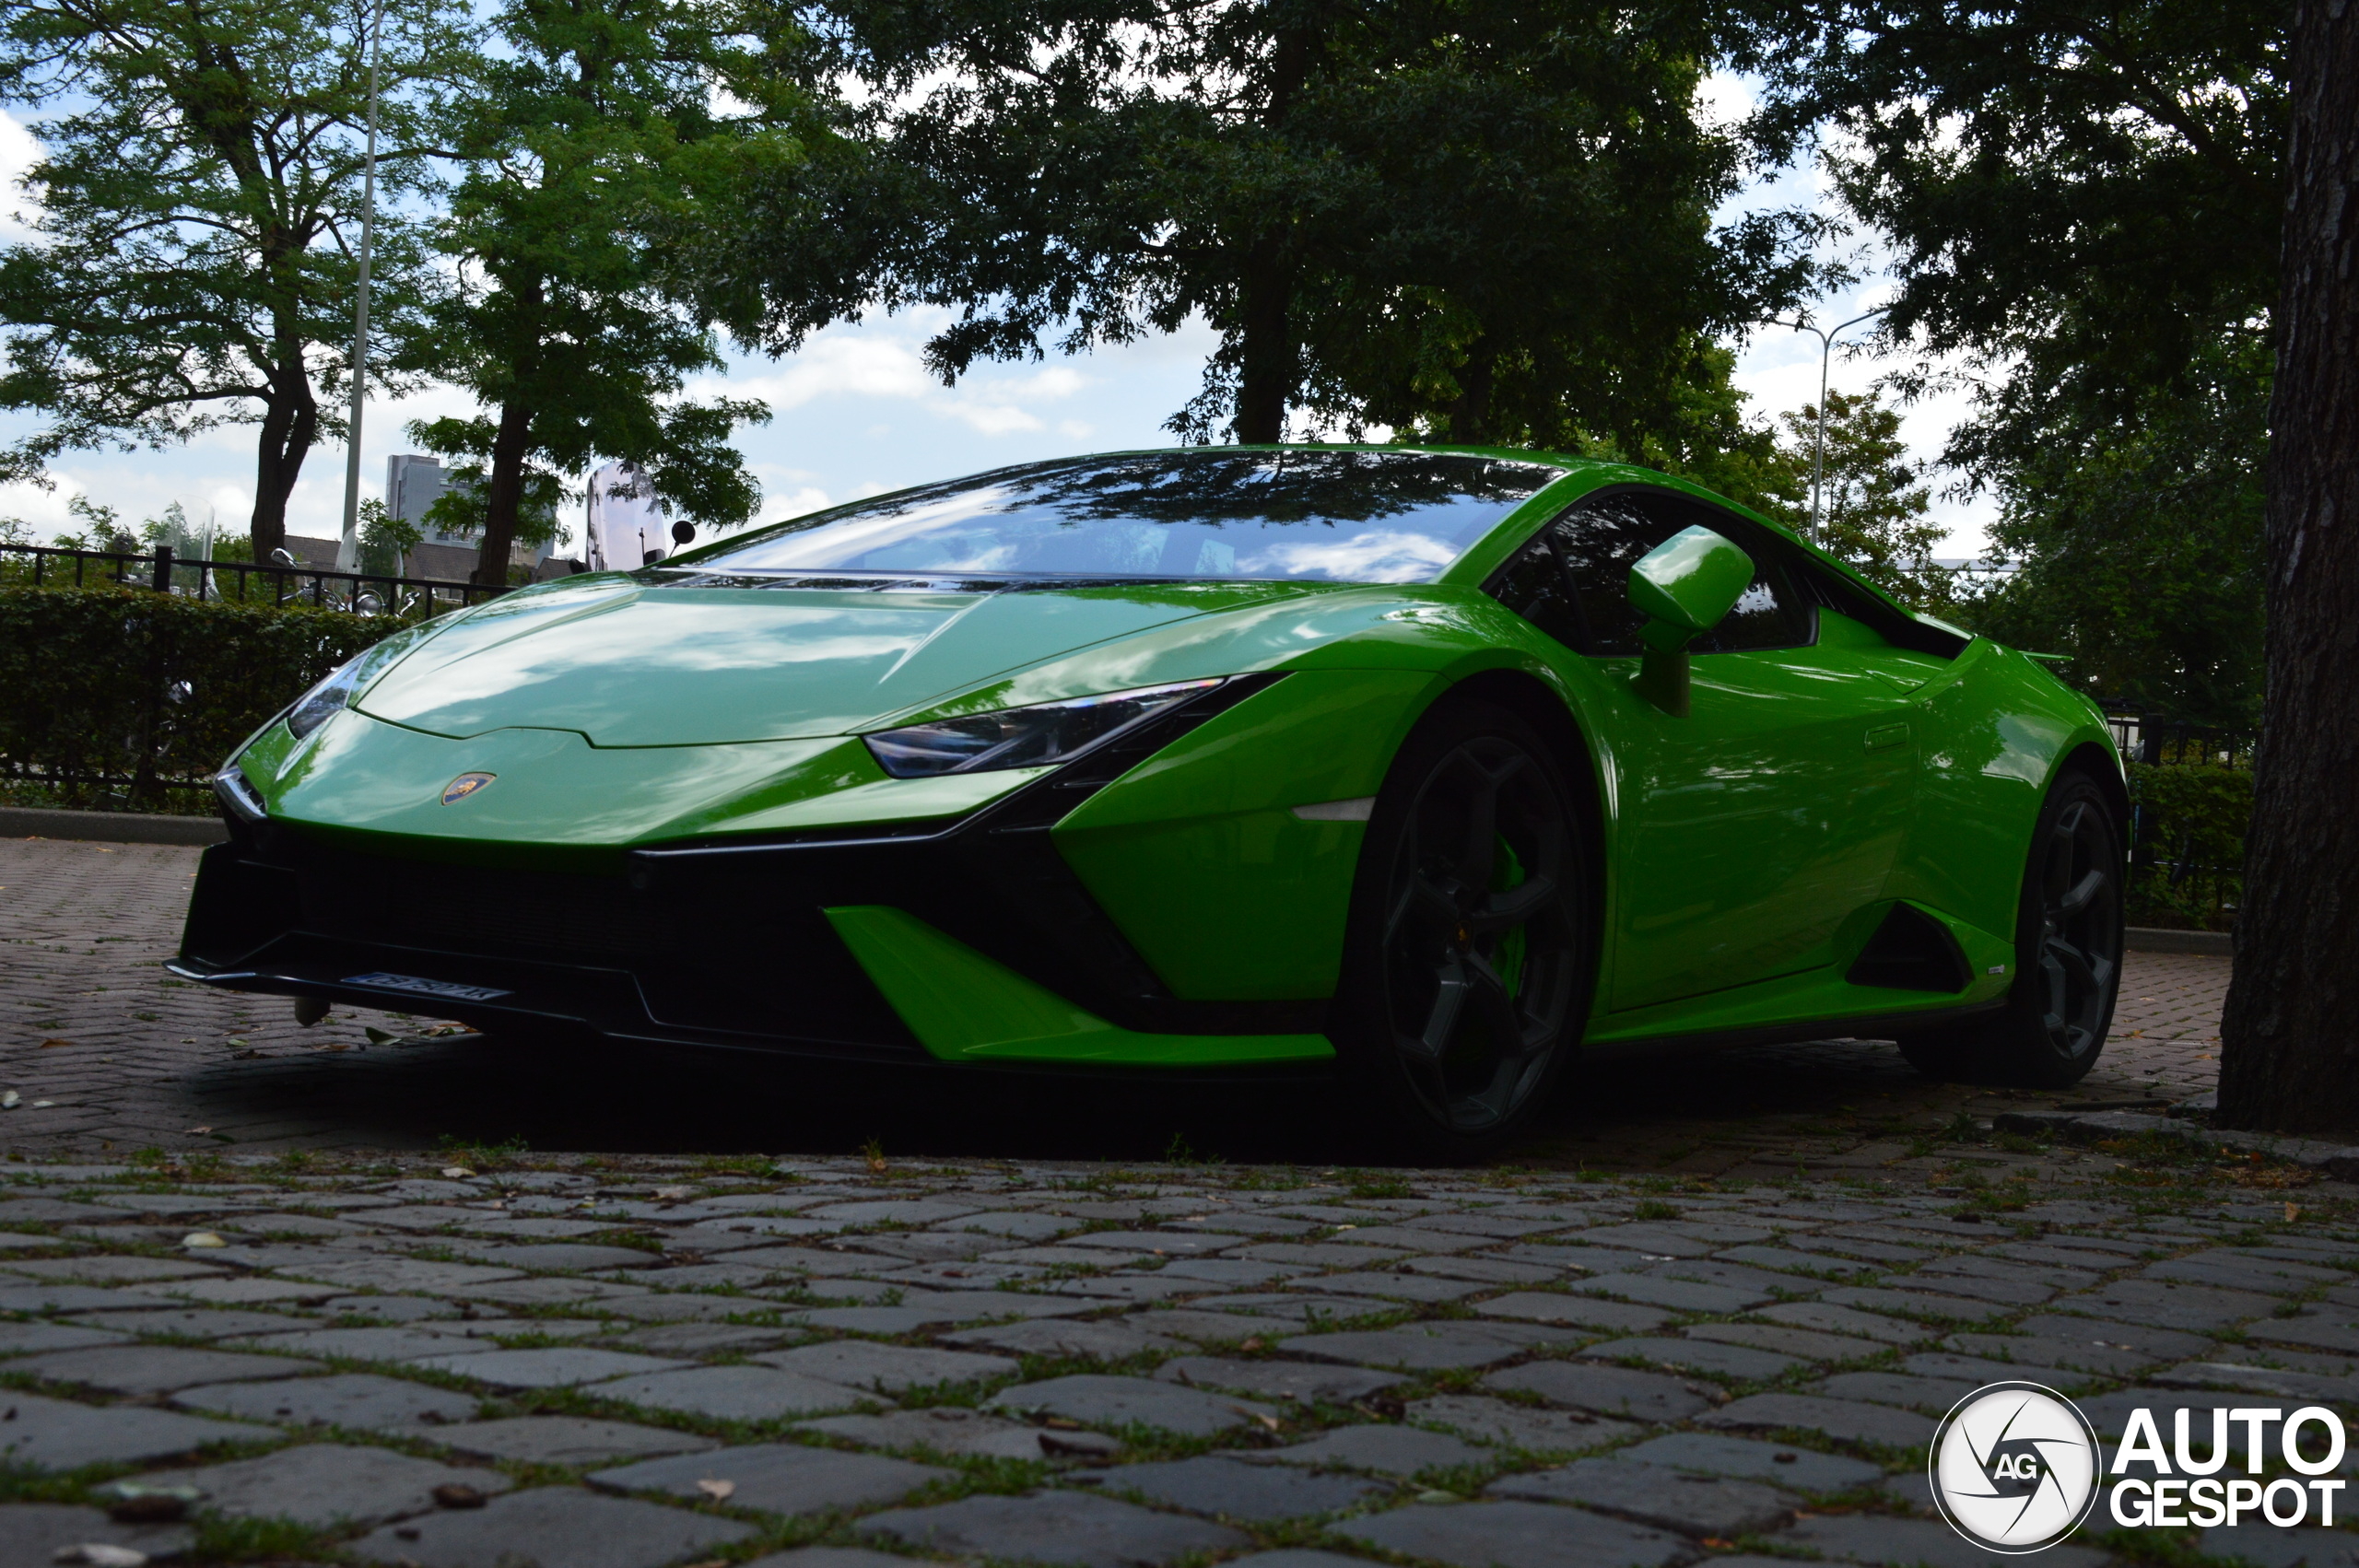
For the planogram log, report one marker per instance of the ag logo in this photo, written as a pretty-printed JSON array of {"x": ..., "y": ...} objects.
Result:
[
  {"x": 465, "y": 784},
  {"x": 2014, "y": 1468}
]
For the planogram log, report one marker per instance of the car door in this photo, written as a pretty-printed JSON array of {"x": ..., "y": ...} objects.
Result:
[{"x": 1744, "y": 831}]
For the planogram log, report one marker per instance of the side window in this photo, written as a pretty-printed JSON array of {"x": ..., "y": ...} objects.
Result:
[
  {"x": 1533, "y": 586},
  {"x": 1602, "y": 540}
]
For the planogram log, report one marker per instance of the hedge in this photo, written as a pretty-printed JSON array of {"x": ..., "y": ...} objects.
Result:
[
  {"x": 125, "y": 698},
  {"x": 2187, "y": 866}
]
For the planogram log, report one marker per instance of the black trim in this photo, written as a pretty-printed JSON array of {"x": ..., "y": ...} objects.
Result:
[
  {"x": 1911, "y": 952},
  {"x": 722, "y": 943},
  {"x": 1872, "y": 1027}
]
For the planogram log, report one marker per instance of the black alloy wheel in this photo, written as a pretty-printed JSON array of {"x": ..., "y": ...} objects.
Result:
[
  {"x": 2079, "y": 969},
  {"x": 2052, "y": 1026},
  {"x": 1480, "y": 953}
]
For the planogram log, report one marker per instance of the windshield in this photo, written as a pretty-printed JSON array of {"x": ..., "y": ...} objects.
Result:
[{"x": 1331, "y": 515}]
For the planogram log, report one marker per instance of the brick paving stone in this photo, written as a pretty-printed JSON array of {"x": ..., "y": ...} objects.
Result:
[
  {"x": 2160, "y": 1304},
  {"x": 57, "y": 1434},
  {"x": 1933, "y": 1395},
  {"x": 24, "y": 1339},
  {"x": 1792, "y": 1261},
  {"x": 1233, "y": 1271},
  {"x": 2164, "y": 1344},
  {"x": 1606, "y": 1390},
  {"x": 1930, "y": 1303},
  {"x": 1484, "y": 1270},
  {"x": 1515, "y": 1535},
  {"x": 1839, "y": 1419},
  {"x": 1273, "y": 1379},
  {"x": 321, "y": 1484},
  {"x": 243, "y": 1291},
  {"x": 1795, "y": 1469},
  {"x": 1052, "y": 1337},
  {"x": 2005, "y": 1290},
  {"x": 1697, "y": 1355},
  {"x": 191, "y": 1322},
  {"x": 1913, "y": 1543},
  {"x": 155, "y": 1369},
  {"x": 1219, "y": 1485},
  {"x": 2034, "y": 1353},
  {"x": 1318, "y": 1255},
  {"x": 699, "y": 1338},
  {"x": 564, "y": 1367},
  {"x": 777, "y": 1477},
  {"x": 552, "y": 1524},
  {"x": 402, "y": 1274},
  {"x": 361, "y": 1344},
  {"x": 1298, "y": 1557},
  {"x": 955, "y": 1430},
  {"x": 556, "y": 1256},
  {"x": 829, "y": 1557},
  {"x": 2262, "y": 1545},
  {"x": 1056, "y": 1527},
  {"x": 892, "y": 1368},
  {"x": 1586, "y": 1311},
  {"x": 34, "y": 1535},
  {"x": 1683, "y": 1501},
  {"x": 876, "y": 1319},
  {"x": 1679, "y": 1295},
  {"x": 1399, "y": 1286},
  {"x": 568, "y": 1440},
  {"x": 107, "y": 1269},
  {"x": 361, "y": 1401},
  {"x": 1809, "y": 1344},
  {"x": 1386, "y": 1450},
  {"x": 1096, "y": 1399},
  {"x": 1518, "y": 1426},
  {"x": 730, "y": 1393},
  {"x": 1423, "y": 1347}
]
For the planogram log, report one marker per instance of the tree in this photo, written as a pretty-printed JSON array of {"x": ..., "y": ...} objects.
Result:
[
  {"x": 189, "y": 266},
  {"x": 1483, "y": 220},
  {"x": 1873, "y": 503},
  {"x": 596, "y": 127},
  {"x": 2139, "y": 544},
  {"x": 2084, "y": 206},
  {"x": 2289, "y": 1054}
]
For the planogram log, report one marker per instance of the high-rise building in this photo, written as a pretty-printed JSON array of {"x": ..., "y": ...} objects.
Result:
[{"x": 412, "y": 484}]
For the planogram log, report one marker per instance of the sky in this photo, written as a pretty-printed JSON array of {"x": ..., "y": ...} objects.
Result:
[{"x": 855, "y": 413}]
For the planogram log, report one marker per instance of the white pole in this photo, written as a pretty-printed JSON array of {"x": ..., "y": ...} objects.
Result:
[
  {"x": 347, "y": 550},
  {"x": 1818, "y": 454}
]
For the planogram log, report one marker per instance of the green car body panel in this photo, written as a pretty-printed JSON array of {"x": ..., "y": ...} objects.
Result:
[{"x": 1749, "y": 847}]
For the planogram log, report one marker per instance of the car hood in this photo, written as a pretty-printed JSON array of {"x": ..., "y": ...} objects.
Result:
[{"x": 626, "y": 661}]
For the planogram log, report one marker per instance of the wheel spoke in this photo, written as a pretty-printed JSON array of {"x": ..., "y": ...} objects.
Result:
[
  {"x": 2073, "y": 962},
  {"x": 1452, "y": 986},
  {"x": 2082, "y": 894},
  {"x": 1479, "y": 858},
  {"x": 1511, "y": 907},
  {"x": 1493, "y": 1004}
]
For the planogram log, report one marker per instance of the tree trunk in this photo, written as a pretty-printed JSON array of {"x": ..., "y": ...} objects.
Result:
[
  {"x": 291, "y": 422},
  {"x": 2289, "y": 1039},
  {"x": 1266, "y": 375},
  {"x": 504, "y": 497},
  {"x": 1470, "y": 416}
]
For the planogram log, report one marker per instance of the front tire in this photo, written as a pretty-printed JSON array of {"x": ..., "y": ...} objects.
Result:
[
  {"x": 2067, "y": 958},
  {"x": 1470, "y": 953}
]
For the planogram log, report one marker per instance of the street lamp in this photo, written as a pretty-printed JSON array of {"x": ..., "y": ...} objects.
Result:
[
  {"x": 1825, "y": 352},
  {"x": 348, "y": 549}
]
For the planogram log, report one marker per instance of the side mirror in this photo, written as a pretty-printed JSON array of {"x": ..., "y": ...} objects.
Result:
[{"x": 1684, "y": 587}]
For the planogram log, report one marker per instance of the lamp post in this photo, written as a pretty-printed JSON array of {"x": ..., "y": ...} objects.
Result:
[
  {"x": 1826, "y": 353},
  {"x": 348, "y": 549}
]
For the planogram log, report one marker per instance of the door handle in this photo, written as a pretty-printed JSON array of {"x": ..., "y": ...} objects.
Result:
[{"x": 1884, "y": 737}]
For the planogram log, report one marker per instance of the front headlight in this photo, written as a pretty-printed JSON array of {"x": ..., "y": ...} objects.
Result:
[
  {"x": 1021, "y": 737},
  {"x": 315, "y": 707}
]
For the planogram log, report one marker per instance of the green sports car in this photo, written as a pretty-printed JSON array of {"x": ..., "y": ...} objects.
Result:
[{"x": 1423, "y": 770}]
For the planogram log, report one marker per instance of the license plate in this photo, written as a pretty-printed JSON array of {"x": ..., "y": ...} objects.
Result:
[{"x": 446, "y": 988}]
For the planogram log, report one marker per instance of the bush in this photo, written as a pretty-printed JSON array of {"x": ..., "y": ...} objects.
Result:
[
  {"x": 125, "y": 698},
  {"x": 2189, "y": 867}
]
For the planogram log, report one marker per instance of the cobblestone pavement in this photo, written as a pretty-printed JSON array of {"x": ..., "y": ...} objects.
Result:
[
  {"x": 108, "y": 1055},
  {"x": 847, "y": 1362}
]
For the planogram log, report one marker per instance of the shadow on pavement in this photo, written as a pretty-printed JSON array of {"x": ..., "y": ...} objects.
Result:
[{"x": 550, "y": 1098}]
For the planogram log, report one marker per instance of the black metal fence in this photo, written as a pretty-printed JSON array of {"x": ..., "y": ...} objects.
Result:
[
  {"x": 2159, "y": 743},
  {"x": 255, "y": 582}
]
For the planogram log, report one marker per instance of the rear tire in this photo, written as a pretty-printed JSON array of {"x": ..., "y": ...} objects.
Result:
[
  {"x": 2067, "y": 958},
  {"x": 1470, "y": 953}
]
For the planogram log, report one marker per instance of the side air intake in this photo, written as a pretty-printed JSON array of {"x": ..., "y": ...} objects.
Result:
[{"x": 1911, "y": 952}]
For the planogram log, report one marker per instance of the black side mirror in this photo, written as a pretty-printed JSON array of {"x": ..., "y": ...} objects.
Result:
[{"x": 683, "y": 533}]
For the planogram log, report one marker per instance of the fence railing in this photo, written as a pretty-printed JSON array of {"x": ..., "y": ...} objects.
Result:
[
  {"x": 2165, "y": 741},
  {"x": 281, "y": 583}
]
